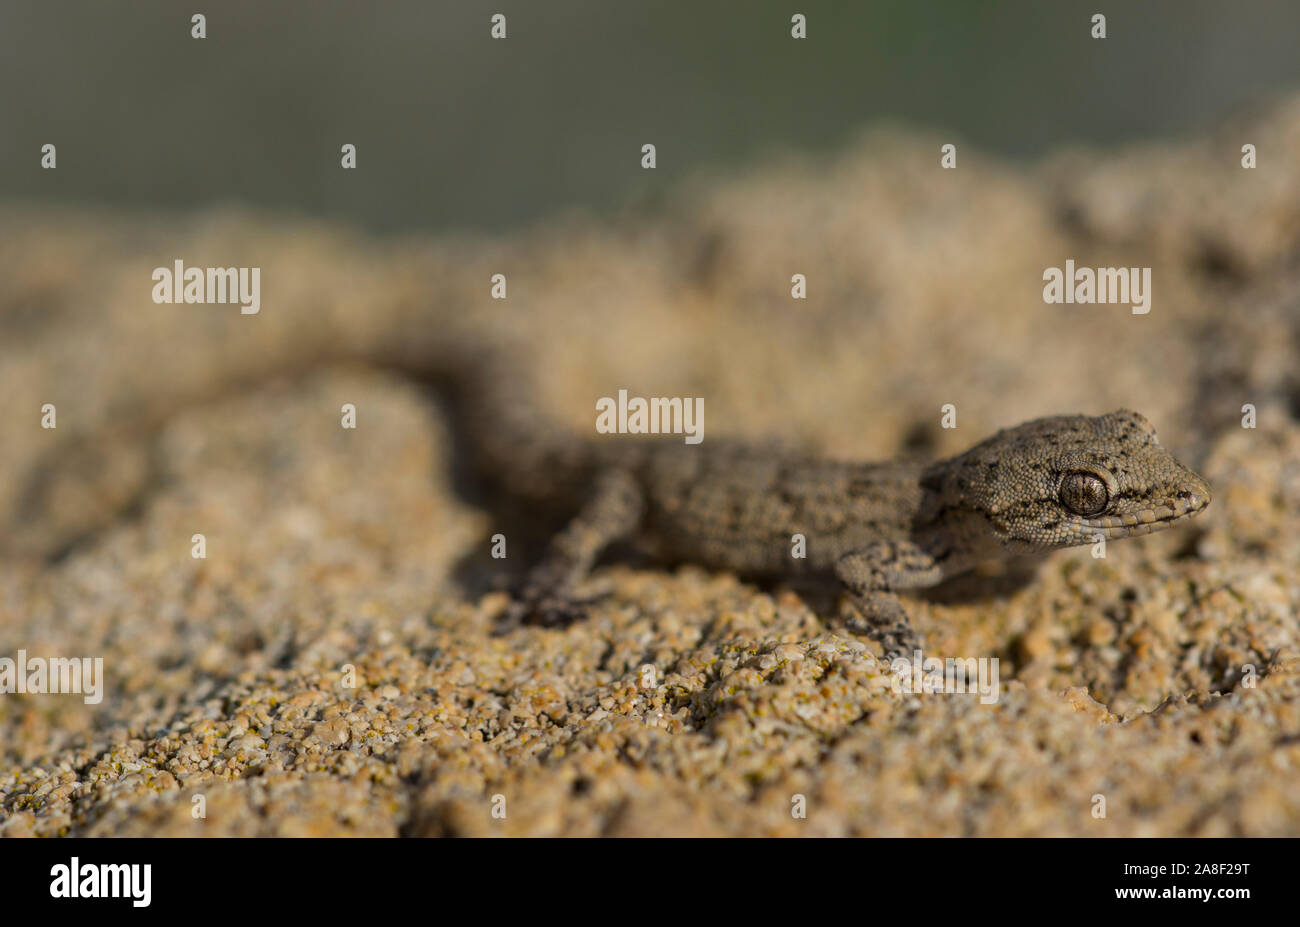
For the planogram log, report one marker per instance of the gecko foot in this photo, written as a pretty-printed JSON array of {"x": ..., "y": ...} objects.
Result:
[
  {"x": 896, "y": 640},
  {"x": 870, "y": 575}
]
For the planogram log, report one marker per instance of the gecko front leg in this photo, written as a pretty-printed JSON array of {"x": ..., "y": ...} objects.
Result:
[
  {"x": 547, "y": 597},
  {"x": 872, "y": 574}
]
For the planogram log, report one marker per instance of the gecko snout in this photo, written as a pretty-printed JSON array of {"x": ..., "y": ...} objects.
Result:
[
  {"x": 1189, "y": 495},
  {"x": 1193, "y": 498}
]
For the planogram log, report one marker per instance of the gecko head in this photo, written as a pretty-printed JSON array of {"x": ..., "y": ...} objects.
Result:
[{"x": 1069, "y": 479}]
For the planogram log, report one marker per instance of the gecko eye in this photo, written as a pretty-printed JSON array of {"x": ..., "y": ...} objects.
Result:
[{"x": 1083, "y": 493}]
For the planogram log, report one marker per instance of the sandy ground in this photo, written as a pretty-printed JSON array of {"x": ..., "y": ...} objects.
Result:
[{"x": 325, "y": 670}]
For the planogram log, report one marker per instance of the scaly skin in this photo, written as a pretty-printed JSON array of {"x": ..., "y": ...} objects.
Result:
[{"x": 1054, "y": 482}]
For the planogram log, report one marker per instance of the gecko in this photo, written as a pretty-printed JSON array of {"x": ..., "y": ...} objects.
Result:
[{"x": 877, "y": 528}]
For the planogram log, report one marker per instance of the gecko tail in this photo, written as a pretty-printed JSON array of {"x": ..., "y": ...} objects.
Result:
[{"x": 490, "y": 379}]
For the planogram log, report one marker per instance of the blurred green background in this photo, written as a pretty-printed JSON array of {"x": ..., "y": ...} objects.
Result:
[{"x": 457, "y": 131}]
